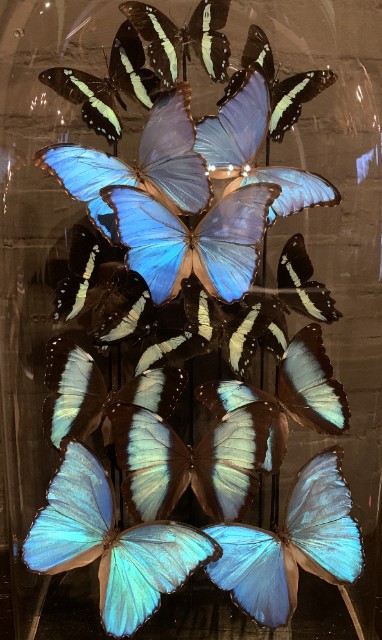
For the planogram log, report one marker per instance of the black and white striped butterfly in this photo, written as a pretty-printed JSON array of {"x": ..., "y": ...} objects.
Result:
[
  {"x": 237, "y": 331},
  {"x": 100, "y": 97},
  {"x": 87, "y": 253},
  {"x": 79, "y": 398},
  {"x": 169, "y": 43},
  {"x": 296, "y": 290},
  {"x": 287, "y": 95}
]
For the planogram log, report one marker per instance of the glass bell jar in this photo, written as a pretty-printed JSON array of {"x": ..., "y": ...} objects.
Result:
[{"x": 62, "y": 285}]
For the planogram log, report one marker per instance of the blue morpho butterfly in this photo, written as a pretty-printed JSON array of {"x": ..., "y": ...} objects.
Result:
[
  {"x": 167, "y": 165},
  {"x": 87, "y": 253},
  {"x": 220, "y": 469},
  {"x": 222, "y": 249},
  {"x": 231, "y": 141},
  {"x": 137, "y": 565},
  {"x": 260, "y": 568},
  {"x": 80, "y": 396},
  {"x": 161, "y": 333},
  {"x": 306, "y": 391},
  {"x": 168, "y": 43},
  {"x": 310, "y": 298},
  {"x": 288, "y": 95},
  {"x": 236, "y": 330},
  {"x": 99, "y": 97}
]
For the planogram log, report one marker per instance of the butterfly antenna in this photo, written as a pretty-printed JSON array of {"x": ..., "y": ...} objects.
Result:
[
  {"x": 105, "y": 58},
  {"x": 277, "y": 73}
]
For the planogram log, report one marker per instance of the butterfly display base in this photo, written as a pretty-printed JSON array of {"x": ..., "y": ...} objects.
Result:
[{"x": 197, "y": 612}]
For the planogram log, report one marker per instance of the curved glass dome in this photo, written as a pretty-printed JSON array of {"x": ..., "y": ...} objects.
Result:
[{"x": 337, "y": 136}]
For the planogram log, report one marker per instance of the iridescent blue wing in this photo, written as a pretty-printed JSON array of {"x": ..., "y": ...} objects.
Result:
[
  {"x": 79, "y": 392},
  {"x": 224, "y": 396},
  {"x": 83, "y": 172},
  {"x": 70, "y": 531},
  {"x": 308, "y": 297},
  {"x": 211, "y": 46},
  {"x": 156, "y": 238},
  {"x": 173, "y": 171},
  {"x": 157, "y": 390},
  {"x": 289, "y": 95},
  {"x": 300, "y": 189},
  {"x": 143, "y": 563},
  {"x": 226, "y": 254},
  {"x": 234, "y": 137},
  {"x": 155, "y": 460},
  {"x": 325, "y": 539},
  {"x": 306, "y": 388},
  {"x": 260, "y": 573},
  {"x": 223, "y": 475}
]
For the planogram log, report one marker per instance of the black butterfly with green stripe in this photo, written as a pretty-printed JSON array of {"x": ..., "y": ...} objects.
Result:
[
  {"x": 79, "y": 399},
  {"x": 238, "y": 328},
  {"x": 307, "y": 297},
  {"x": 287, "y": 95},
  {"x": 169, "y": 43},
  {"x": 100, "y": 97}
]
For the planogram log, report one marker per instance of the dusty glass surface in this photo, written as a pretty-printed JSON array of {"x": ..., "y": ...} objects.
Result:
[{"x": 338, "y": 135}]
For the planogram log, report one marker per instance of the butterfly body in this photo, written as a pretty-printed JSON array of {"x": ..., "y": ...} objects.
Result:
[
  {"x": 260, "y": 568},
  {"x": 170, "y": 43}
]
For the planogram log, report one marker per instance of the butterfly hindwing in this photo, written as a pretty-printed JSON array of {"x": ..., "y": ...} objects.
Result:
[
  {"x": 147, "y": 561},
  {"x": 253, "y": 569},
  {"x": 295, "y": 288},
  {"x": 212, "y": 47},
  {"x": 306, "y": 388},
  {"x": 69, "y": 532}
]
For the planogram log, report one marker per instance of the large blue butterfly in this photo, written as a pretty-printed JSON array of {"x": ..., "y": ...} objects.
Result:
[
  {"x": 167, "y": 165},
  {"x": 231, "y": 142},
  {"x": 306, "y": 391},
  {"x": 259, "y": 568},
  {"x": 137, "y": 565},
  {"x": 221, "y": 250}
]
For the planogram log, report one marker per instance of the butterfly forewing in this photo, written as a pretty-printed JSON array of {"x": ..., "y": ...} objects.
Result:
[
  {"x": 156, "y": 461},
  {"x": 318, "y": 520},
  {"x": 212, "y": 47},
  {"x": 310, "y": 396},
  {"x": 144, "y": 562},
  {"x": 79, "y": 389},
  {"x": 70, "y": 531},
  {"x": 258, "y": 50},
  {"x": 294, "y": 271},
  {"x": 225, "y": 460}
]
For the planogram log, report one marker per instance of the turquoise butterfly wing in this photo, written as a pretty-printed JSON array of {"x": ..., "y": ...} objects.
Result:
[
  {"x": 70, "y": 531},
  {"x": 259, "y": 568}
]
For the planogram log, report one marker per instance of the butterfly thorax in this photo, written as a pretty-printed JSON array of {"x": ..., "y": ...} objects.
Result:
[
  {"x": 246, "y": 170},
  {"x": 283, "y": 534},
  {"x": 109, "y": 539},
  {"x": 191, "y": 460},
  {"x": 139, "y": 172}
]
